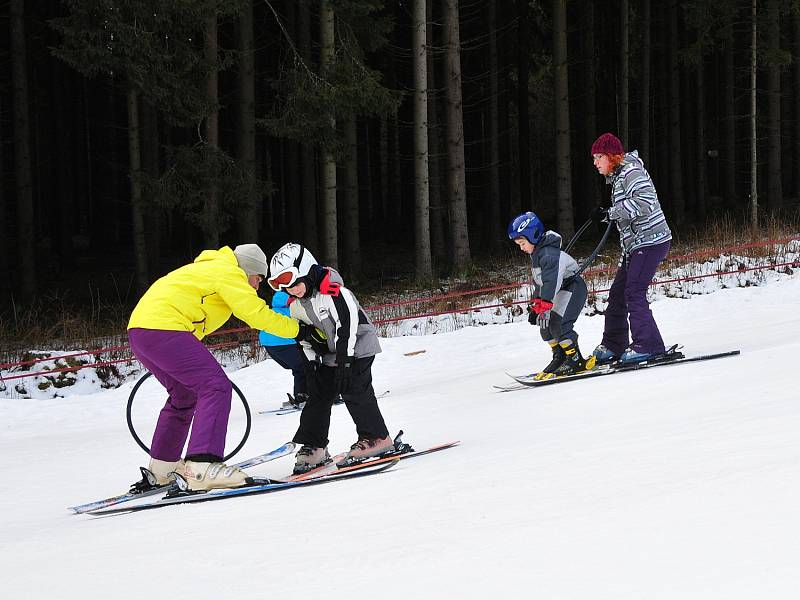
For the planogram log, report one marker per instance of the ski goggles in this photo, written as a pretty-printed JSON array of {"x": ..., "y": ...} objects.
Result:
[{"x": 284, "y": 279}]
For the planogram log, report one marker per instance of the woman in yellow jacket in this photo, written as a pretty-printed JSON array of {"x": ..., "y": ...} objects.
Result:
[{"x": 165, "y": 330}]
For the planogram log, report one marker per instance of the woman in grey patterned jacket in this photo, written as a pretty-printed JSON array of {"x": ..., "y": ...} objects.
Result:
[{"x": 630, "y": 333}]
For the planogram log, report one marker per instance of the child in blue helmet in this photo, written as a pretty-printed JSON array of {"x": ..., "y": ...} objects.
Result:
[{"x": 558, "y": 297}]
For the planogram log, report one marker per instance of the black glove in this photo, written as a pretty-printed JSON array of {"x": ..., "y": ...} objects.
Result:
[
  {"x": 599, "y": 215},
  {"x": 341, "y": 379},
  {"x": 313, "y": 336},
  {"x": 302, "y": 332},
  {"x": 305, "y": 332},
  {"x": 532, "y": 316}
]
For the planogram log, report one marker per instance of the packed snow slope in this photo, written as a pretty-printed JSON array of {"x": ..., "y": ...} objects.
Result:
[{"x": 676, "y": 482}]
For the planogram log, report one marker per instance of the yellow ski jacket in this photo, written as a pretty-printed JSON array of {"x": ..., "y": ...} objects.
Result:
[{"x": 200, "y": 297}]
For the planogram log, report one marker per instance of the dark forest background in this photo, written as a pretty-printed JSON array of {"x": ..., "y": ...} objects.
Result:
[{"x": 393, "y": 138}]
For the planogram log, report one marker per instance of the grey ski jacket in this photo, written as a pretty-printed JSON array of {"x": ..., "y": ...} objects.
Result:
[
  {"x": 551, "y": 269},
  {"x": 340, "y": 317}
]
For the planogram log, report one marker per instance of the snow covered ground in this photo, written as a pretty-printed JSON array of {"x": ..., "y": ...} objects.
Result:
[{"x": 678, "y": 482}]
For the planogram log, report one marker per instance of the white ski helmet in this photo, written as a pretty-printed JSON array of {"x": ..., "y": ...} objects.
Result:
[{"x": 290, "y": 262}]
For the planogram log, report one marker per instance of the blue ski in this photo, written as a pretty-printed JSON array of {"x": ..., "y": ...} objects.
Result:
[
  {"x": 287, "y": 448},
  {"x": 257, "y": 487}
]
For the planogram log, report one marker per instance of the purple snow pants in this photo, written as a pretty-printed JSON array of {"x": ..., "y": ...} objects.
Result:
[
  {"x": 628, "y": 297},
  {"x": 197, "y": 386}
]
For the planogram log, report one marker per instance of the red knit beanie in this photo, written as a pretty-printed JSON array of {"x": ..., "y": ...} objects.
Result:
[{"x": 607, "y": 143}]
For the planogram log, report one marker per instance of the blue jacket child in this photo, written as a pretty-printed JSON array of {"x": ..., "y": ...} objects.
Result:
[{"x": 286, "y": 351}]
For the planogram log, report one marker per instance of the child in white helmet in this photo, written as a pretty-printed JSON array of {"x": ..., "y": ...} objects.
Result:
[{"x": 343, "y": 366}]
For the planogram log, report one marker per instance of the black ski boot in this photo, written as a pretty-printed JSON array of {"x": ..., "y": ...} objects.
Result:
[
  {"x": 550, "y": 370},
  {"x": 297, "y": 401},
  {"x": 573, "y": 361}
]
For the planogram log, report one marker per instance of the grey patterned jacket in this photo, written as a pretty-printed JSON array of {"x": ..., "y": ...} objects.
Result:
[{"x": 635, "y": 207}]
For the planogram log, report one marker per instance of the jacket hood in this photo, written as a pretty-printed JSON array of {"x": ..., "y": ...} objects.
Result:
[
  {"x": 551, "y": 238},
  {"x": 280, "y": 300},
  {"x": 630, "y": 160}
]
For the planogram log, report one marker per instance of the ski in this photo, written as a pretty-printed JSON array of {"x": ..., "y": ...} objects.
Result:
[
  {"x": 258, "y": 486},
  {"x": 528, "y": 381},
  {"x": 287, "y": 448},
  {"x": 402, "y": 451},
  {"x": 287, "y": 410}
]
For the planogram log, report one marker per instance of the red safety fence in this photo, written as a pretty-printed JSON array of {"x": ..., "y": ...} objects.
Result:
[{"x": 448, "y": 299}]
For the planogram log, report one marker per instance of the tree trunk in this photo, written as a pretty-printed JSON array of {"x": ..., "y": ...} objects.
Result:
[
  {"x": 247, "y": 218},
  {"x": 5, "y": 244},
  {"x": 26, "y": 248},
  {"x": 496, "y": 239},
  {"x": 65, "y": 165},
  {"x": 137, "y": 213},
  {"x": 753, "y": 123},
  {"x": 383, "y": 149},
  {"x": 676, "y": 169},
  {"x": 644, "y": 137},
  {"x": 592, "y": 198},
  {"x": 437, "y": 208},
  {"x": 395, "y": 197},
  {"x": 153, "y": 214},
  {"x": 308, "y": 174},
  {"x": 422, "y": 235},
  {"x": 291, "y": 150},
  {"x": 368, "y": 184},
  {"x": 728, "y": 158},
  {"x": 455, "y": 139},
  {"x": 267, "y": 216},
  {"x": 351, "y": 242},
  {"x": 566, "y": 224},
  {"x": 330, "y": 249},
  {"x": 774, "y": 170},
  {"x": 700, "y": 139},
  {"x": 796, "y": 106},
  {"x": 211, "y": 209},
  {"x": 624, "y": 73},
  {"x": 523, "y": 125}
]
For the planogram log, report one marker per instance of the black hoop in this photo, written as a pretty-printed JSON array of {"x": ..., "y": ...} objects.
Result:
[{"x": 144, "y": 447}]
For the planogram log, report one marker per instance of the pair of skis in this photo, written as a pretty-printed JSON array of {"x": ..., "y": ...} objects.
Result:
[
  {"x": 325, "y": 474},
  {"x": 671, "y": 357},
  {"x": 135, "y": 494}
]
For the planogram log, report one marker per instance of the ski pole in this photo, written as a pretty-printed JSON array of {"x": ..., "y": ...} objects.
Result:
[
  {"x": 596, "y": 251},
  {"x": 577, "y": 235}
]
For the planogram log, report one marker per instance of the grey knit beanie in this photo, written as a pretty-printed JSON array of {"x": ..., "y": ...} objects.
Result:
[{"x": 251, "y": 259}]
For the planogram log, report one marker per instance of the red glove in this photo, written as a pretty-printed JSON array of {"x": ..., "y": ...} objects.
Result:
[{"x": 539, "y": 306}]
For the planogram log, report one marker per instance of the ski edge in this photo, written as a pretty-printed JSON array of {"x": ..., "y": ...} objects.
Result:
[
  {"x": 246, "y": 490},
  {"x": 89, "y": 507},
  {"x": 609, "y": 370}
]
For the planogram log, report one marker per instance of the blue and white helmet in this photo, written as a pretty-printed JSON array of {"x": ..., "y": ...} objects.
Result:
[{"x": 526, "y": 225}]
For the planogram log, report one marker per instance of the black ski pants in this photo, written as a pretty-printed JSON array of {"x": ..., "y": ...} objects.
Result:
[{"x": 315, "y": 420}]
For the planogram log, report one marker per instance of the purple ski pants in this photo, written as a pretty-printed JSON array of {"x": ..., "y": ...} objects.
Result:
[
  {"x": 198, "y": 389},
  {"x": 627, "y": 299}
]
